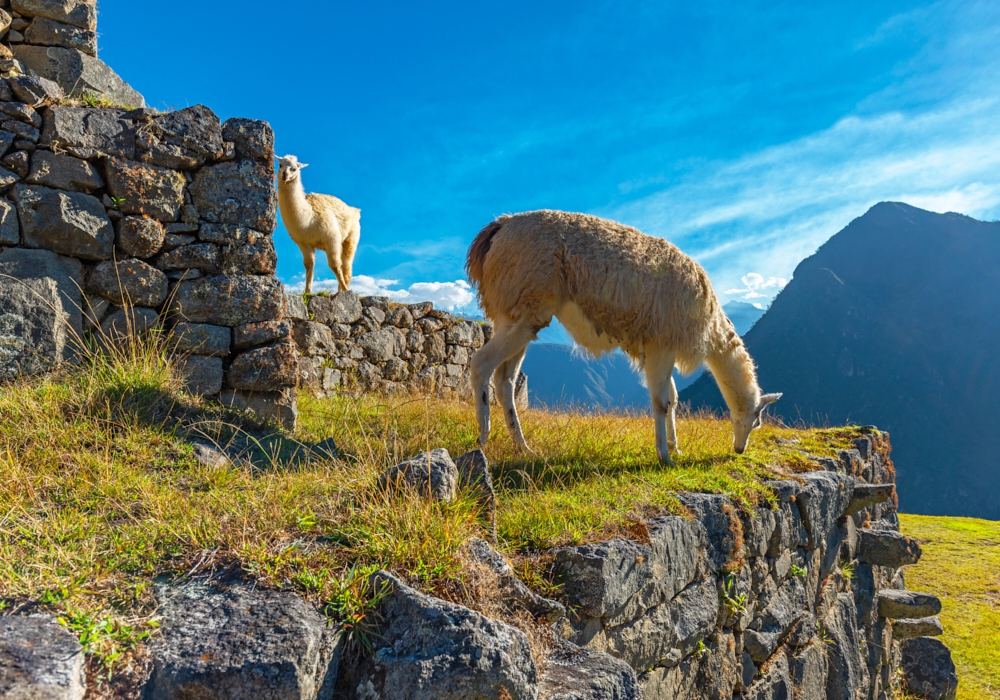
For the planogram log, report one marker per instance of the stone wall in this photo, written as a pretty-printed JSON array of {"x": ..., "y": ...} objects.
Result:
[{"x": 375, "y": 344}]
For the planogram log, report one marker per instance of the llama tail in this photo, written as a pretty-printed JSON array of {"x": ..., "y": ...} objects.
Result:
[{"x": 480, "y": 247}]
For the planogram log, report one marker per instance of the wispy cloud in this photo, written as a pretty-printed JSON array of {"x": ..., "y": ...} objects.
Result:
[
  {"x": 756, "y": 287},
  {"x": 452, "y": 296}
]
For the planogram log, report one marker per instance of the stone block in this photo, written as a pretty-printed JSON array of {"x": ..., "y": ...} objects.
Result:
[
  {"x": 127, "y": 323},
  {"x": 314, "y": 339},
  {"x": 140, "y": 236},
  {"x": 201, "y": 374},
  {"x": 70, "y": 223},
  {"x": 897, "y": 605},
  {"x": 240, "y": 192},
  {"x": 40, "y": 659},
  {"x": 775, "y": 683},
  {"x": 462, "y": 333},
  {"x": 432, "y": 474},
  {"x": 257, "y": 258},
  {"x": 573, "y": 673},
  {"x": 201, "y": 339},
  {"x": 866, "y": 495},
  {"x": 47, "y": 32},
  {"x": 88, "y": 132},
  {"x": 786, "y": 607},
  {"x": 295, "y": 307},
  {"x": 148, "y": 190},
  {"x": 35, "y": 90},
  {"x": 129, "y": 282},
  {"x": 382, "y": 345},
  {"x": 822, "y": 499},
  {"x": 78, "y": 73},
  {"x": 79, "y": 13},
  {"x": 343, "y": 307},
  {"x": 281, "y": 407},
  {"x": 267, "y": 368},
  {"x": 64, "y": 172},
  {"x": 922, "y": 627},
  {"x": 252, "y": 138},
  {"x": 400, "y": 317},
  {"x": 22, "y": 112},
  {"x": 252, "y": 334},
  {"x": 10, "y": 229},
  {"x": 182, "y": 140},
  {"x": 229, "y": 300},
  {"x": 887, "y": 548},
  {"x": 847, "y": 677},
  {"x": 927, "y": 669},
  {"x": 203, "y": 257}
]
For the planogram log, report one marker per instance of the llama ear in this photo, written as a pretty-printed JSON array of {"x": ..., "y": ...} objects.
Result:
[
  {"x": 765, "y": 401},
  {"x": 303, "y": 165}
]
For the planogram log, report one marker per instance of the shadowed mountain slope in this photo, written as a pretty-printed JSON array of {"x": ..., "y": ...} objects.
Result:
[{"x": 895, "y": 321}]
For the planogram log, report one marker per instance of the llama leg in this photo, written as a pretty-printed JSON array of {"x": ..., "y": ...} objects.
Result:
[
  {"x": 505, "y": 381},
  {"x": 659, "y": 369},
  {"x": 349, "y": 249},
  {"x": 309, "y": 260},
  {"x": 333, "y": 259},
  {"x": 509, "y": 339}
]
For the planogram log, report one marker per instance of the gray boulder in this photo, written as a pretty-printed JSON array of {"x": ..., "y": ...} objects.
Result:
[
  {"x": 921, "y": 627},
  {"x": 10, "y": 229},
  {"x": 46, "y": 32},
  {"x": 229, "y": 300},
  {"x": 78, "y": 74},
  {"x": 140, "y": 236},
  {"x": 383, "y": 344},
  {"x": 39, "y": 660},
  {"x": 808, "y": 670},
  {"x": 314, "y": 339},
  {"x": 147, "y": 190},
  {"x": 200, "y": 374},
  {"x": 257, "y": 258},
  {"x": 847, "y": 677},
  {"x": 88, "y": 133},
  {"x": 127, "y": 323},
  {"x": 252, "y": 334},
  {"x": 34, "y": 90},
  {"x": 64, "y": 172},
  {"x": 252, "y": 138},
  {"x": 295, "y": 308},
  {"x": 203, "y": 257},
  {"x": 887, "y": 548},
  {"x": 239, "y": 643},
  {"x": 185, "y": 139},
  {"x": 432, "y": 474},
  {"x": 866, "y": 495},
  {"x": 343, "y": 307},
  {"x": 40, "y": 310},
  {"x": 583, "y": 674},
  {"x": 280, "y": 407},
  {"x": 240, "y": 192},
  {"x": 783, "y": 611},
  {"x": 201, "y": 339},
  {"x": 927, "y": 669},
  {"x": 429, "y": 649},
  {"x": 267, "y": 368},
  {"x": 822, "y": 499},
  {"x": 898, "y": 605},
  {"x": 601, "y": 578},
  {"x": 130, "y": 281},
  {"x": 722, "y": 526},
  {"x": 462, "y": 333},
  {"x": 774, "y": 684},
  {"x": 70, "y": 223},
  {"x": 79, "y": 13}
]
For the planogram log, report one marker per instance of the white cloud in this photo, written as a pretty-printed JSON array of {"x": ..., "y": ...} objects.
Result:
[
  {"x": 755, "y": 287},
  {"x": 452, "y": 296}
]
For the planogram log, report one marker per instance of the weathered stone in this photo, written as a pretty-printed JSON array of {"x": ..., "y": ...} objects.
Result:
[
  {"x": 898, "y": 605},
  {"x": 88, "y": 133},
  {"x": 130, "y": 281},
  {"x": 208, "y": 455},
  {"x": 511, "y": 591},
  {"x": 343, "y": 307},
  {"x": 808, "y": 670},
  {"x": 40, "y": 659},
  {"x": 200, "y": 374},
  {"x": 257, "y": 258},
  {"x": 295, "y": 307},
  {"x": 280, "y": 407},
  {"x": 429, "y": 325},
  {"x": 601, "y": 578},
  {"x": 866, "y": 495},
  {"x": 457, "y": 355},
  {"x": 583, "y": 674},
  {"x": 171, "y": 241},
  {"x": 64, "y": 172},
  {"x": 6, "y": 139},
  {"x": 250, "y": 334},
  {"x": 314, "y": 339},
  {"x": 462, "y": 333},
  {"x": 94, "y": 310},
  {"x": 474, "y": 475},
  {"x": 140, "y": 236},
  {"x": 70, "y": 223},
  {"x": 239, "y": 643},
  {"x": 10, "y": 229},
  {"x": 395, "y": 370},
  {"x": 400, "y": 317},
  {"x": 34, "y": 90},
  {"x": 432, "y": 474},
  {"x": 146, "y": 189},
  {"x": 77, "y": 73},
  {"x": 822, "y": 499},
  {"x": 435, "y": 348},
  {"x": 420, "y": 309},
  {"x": 927, "y": 669},
  {"x": 722, "y": 525},
  {"x": 383, "y": 344},
  {"x": 847, "y": 677},
  {"x": 127, "y": 323},
  {"x": 46, "y": 32},
  {"x": 367, "y": 374},
  {"x": 240, "y": 192},
  {"x": 712, "y": 672},
  {"x": 331, "y": 379},
  {"x": 921, "y": 627},
  {"x": 79, "y": 13},
  {"x": 429, "y": 649},
  {"x": 310, "y": 371},
  {"x": 180, "y": 227},
  {"x": 252, "y": 138},
  {"x": 228, "y": 234},
  {"x": 774, "y": 684},
  {"x": 18, "y": 162},
  {"x": 374, "y": 313},
  {"x": 887, "y": 548},
  {"x": 201, "y": 339},
  {"x": 203, "y": 257},
  {"x": 229, "y": 300},
  {"x": 267, "y": 368},
  {"x": 22, "y": 112},
  {"x": 184, "y": 140},
  {"x": 783, "y": 611}
]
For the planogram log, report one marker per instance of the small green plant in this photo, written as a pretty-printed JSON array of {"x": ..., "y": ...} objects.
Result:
[
  {"x": 847, "y": 570},
  {"x": 116, "y": 202},
  {"x": 799, "y": 571},
  {"x": 353, "y": 606},
  {"x": 735, "y": 605},
  {"x": 106, "y": 638},
  {"x": 701, "y": 648}
]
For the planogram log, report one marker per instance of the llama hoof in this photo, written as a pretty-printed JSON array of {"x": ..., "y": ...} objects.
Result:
[
  {"x": 666, "y": 461},
  {"x": 523, "y": 448}
]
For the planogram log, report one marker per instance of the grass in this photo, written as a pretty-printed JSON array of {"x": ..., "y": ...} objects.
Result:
[
  {"x": 100, "y": 492},
  {"x": 961, "y": 565}
]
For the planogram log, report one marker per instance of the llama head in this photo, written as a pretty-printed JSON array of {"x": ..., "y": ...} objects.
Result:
[
  {"x": 746, "y": 423},
  {"x": 289, "y": 167}
]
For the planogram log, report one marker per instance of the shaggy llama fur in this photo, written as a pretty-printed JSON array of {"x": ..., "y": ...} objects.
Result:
[
  {"x": 318, "y": 222},
  {"x": 611, "y": 286}
]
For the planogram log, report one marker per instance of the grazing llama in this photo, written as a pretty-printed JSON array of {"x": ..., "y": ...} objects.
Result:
[
  {"x": 611, "y": 287},
  {"x": 318, "y": 222}
]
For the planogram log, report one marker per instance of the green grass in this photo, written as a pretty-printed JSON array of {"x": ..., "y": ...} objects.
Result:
[
  {"x": 961, "y": 565},
  {"x": 100, "y": 492}
]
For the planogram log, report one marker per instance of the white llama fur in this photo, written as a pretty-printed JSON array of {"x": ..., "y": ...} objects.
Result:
[
  {"x": 611, "y": 286},
  {"x": 318, "y": 222}
]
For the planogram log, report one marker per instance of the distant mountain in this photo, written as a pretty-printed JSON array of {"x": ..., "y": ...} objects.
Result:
[
  {"x": 895, "y": 321},
  {"x": 560, "y": 375}
]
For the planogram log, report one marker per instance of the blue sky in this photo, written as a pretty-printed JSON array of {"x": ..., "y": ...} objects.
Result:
[{"x": 745, "y": 132}]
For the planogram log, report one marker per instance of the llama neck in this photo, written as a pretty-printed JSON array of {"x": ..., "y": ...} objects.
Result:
[
  {"x": 737, "y": 379},
  {"x": 295, "y": 209}
]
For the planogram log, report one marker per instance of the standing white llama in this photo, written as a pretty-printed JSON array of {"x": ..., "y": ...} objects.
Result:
[
  {"x": 611, "y": 286},
  {"x": 318, "y": 222}
]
